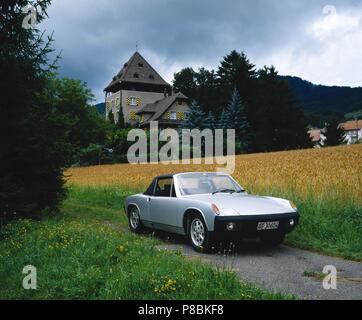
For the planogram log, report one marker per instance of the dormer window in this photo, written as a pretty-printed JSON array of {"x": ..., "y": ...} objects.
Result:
[{"x": 136, "y": 75}]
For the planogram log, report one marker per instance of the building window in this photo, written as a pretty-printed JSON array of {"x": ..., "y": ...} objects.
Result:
[
  {"x": 140, "y": 64},
  {"x": 152, "y": 77},
  {"x": 136, "y": 75},
  {"x": 173, "y": 115},
  {"x": 133, "y": 101},
  {"x": 179, "y": 102},
  {"x": 186, "y": 115}
]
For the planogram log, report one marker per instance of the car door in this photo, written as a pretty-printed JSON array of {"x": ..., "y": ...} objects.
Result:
[{"x": 163, "y": 206}]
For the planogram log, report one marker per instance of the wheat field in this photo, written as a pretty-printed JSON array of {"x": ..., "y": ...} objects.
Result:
[{"x": 318, "y": 173}]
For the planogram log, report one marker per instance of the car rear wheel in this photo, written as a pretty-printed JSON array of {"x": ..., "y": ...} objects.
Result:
[
  {"x": 272, "y": 239},
  {"x": 134, "y": 220},
  {"x": 199, "y": 236}
]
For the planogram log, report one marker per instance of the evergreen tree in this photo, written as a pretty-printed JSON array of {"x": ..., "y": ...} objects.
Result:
[
  {"x": 223, "y": 122},
  {"x": 276, "y": 122},
  {"x": 210, "y": 121},
  {"x": 236, "y": 71},
  {"x": 120, "y": 122},
  {"x": 196, "y": 118},
  {"x": 237, "y": 120},
  {"x": 34, "y": 134},
  {"x": 334, "y": 133}
]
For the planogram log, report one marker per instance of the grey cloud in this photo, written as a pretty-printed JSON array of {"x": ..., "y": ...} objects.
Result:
[{"x": 98, "y": 36}]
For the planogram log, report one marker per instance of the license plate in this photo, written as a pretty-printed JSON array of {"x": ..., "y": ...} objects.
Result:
[{"x": 272, "y": 225}]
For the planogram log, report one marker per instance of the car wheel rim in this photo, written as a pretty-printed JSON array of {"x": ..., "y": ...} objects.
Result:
[
  {"x": 134, "y": 218},
  {"x": 197, "y": 232}
]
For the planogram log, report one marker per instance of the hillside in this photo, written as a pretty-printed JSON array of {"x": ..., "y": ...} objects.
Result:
[
  {"x": 101, "y": 108},
  {"x": 320, "y": 103}
]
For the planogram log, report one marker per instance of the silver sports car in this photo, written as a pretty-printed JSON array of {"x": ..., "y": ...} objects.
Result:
[{"x": 207, "y": 207}]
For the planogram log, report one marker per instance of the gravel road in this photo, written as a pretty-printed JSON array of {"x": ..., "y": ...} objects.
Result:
[{"x": 284, "y": 269}]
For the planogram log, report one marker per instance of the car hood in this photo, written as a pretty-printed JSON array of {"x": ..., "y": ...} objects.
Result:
[{"x": 244, "y": 204}]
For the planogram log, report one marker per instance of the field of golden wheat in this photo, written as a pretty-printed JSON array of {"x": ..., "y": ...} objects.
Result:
[{"x": 318, "y": 173}]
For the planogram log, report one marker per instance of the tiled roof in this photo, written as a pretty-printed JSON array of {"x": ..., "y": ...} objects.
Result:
[
  {"x": 160, "y": 107},
  {"x": 137, "y": 70},
  {"x": 352, "y": 125}
]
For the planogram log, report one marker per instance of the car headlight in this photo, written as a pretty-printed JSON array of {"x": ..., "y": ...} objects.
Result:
[
  {"x": 292, "y": 204},
  {"x": 215, "y": 209}
]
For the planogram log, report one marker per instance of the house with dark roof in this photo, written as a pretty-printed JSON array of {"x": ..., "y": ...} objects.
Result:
[{"x": 143, "y": 95}]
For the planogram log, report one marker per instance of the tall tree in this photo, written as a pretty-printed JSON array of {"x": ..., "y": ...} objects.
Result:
[
  {"x": 210, "y": 121},
  {"x": 207, "y": 93},
  {"x": 236, "y": 71},
  {"x": 277, "y": 122},
  {"x": 223, "y": 122},
  {"x": 185, "y": 82},
  {"x": 196, "y": 118},
  {"x": 120, "y": 123},
  {"x": 74, "y": 98},
  {"x": 237, "y": 120},
  {"x": 34, "y": 134},
  {"x": 334, "y": 133}
]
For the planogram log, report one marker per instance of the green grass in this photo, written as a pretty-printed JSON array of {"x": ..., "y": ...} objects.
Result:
[
  {"x": 82, "y": 255},
  {"x": 331, "y": 225},
  {"x": 315, "y": 275},
  {"x": 330, "y": 228}
]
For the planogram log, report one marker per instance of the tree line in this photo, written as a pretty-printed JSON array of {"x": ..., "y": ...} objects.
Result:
[{"x": 259, "y": 105}]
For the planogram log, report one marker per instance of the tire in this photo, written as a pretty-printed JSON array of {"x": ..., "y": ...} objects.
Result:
[
  {"x": 198, "y": 235},
  {"x": 134, "y": 220},
  {"x": 272, "y": 239}
]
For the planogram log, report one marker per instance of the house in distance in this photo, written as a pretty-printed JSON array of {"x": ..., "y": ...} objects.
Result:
[{"x": 143, "y": 96}]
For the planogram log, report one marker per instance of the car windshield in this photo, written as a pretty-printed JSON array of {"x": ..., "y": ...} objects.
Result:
[{"x": 205, "y": 183}]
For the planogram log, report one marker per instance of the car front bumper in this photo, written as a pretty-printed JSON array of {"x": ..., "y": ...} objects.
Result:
[{"x": 247, "y": 226}]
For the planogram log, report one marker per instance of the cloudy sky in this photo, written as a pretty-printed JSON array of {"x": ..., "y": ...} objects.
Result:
[{"x": 320, "y": 41}]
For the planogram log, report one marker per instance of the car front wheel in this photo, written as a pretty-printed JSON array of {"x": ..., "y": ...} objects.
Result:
[
  {"x": 134, "y": 220},
  {"x": 199, "y": 236}
]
